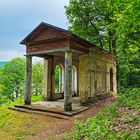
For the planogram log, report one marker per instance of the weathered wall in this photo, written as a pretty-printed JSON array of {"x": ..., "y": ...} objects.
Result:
[
  {"x": 94, "y": 74},
  {"x": 47, "y": 46}
]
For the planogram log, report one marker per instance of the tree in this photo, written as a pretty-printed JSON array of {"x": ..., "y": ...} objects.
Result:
[
  {"x": 93, "y": 20},
  {"x": 12, "y": 78},
  {"x": 57, "y": 77},
  {"x": 129, "y": 43},
  {"x": 107, "y": 23},
  {"x": 37, "y": 78}
]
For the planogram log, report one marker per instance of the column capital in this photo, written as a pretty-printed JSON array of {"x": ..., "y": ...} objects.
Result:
[
  {"x": 68, "y": 51},
  {"x": 28, "y": 56}
]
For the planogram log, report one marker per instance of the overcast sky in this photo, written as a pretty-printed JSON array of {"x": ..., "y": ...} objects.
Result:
[{"x": 20, "y": 17}]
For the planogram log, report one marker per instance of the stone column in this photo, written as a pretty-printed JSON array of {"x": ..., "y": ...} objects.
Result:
[
  {"x": 45, "y": 83},
  {"x": 49, "y": 79},
  {"x": 68, "y": 82},
  {"x": 27, "y": 99}
]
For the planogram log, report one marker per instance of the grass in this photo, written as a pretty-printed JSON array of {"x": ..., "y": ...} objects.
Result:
[
  {"x": 15, "y": 125},
  {"x": 21, "y": 101},
  {"x": 119, "y": 120}
]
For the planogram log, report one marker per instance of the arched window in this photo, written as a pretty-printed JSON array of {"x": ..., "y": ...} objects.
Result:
[
  {"x": 74, "y": 80},
  {"x": 59, "y": 78},
  {"x": 111, "y": 79}
]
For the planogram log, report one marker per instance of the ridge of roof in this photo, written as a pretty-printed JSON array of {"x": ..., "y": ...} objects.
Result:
[{"x": 55, "y": 27}]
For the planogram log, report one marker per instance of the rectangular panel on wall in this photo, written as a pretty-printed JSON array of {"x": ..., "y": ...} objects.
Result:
[
  {"x": 92, "y": 83},
  {"x": 88, "y": 85}
]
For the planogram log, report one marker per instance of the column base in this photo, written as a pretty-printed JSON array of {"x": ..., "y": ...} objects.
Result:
[
  {"x": 49, "y": 99},
  {"x": 45, "y": 99},
  {"x": 68, "y": 107},
  {"x": 27, "y": 102}
]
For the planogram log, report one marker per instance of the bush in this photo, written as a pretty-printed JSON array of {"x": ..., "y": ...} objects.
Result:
[
  {"x": 130, "y": 98},
  {"x": 4, "y": 100}
]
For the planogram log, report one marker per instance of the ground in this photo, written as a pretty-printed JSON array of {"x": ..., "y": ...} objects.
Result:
[
  {"x": 18, "y": 125},
  {"x": 107, "y": 119},
  {"x": 119, "y": 120}
]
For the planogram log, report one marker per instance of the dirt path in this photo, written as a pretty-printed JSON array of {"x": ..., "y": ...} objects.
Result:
[{"x": 57, "y": 127}]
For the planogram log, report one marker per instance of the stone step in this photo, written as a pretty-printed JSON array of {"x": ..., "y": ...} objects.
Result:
[
  {"x": 27, "y": 110},
  {"x": 50, "y": 110}
]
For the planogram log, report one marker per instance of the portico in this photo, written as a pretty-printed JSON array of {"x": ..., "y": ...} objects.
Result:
[
  {"x": 58, "y": 47},
  {"x": 86, "y": 70}
]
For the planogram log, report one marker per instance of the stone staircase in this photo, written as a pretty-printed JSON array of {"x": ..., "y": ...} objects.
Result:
[
  {"x": 47, "y": 112},
  {"x": 39, "y": 112}
]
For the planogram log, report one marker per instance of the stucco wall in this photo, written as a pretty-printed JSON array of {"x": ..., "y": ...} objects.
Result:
[{"x": 94, "y": 74}]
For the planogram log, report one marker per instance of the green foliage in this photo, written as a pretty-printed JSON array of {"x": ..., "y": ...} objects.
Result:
[
  {"x": 93, "y": 20},
  {"x": 98, "y": 127},
  {"x": 4, "y": 100},
  {"x": 110, "y": 121},
  {"x": 12, "y": 78},
  {"x": 5, "y": 104},
  {"x": 130, "y": 98},
  {"x": 128, "y": 42},
  {"x": 57, "y": 77},
  {"x": 114, "y": 26},
  {"x": 37, "y": 98},
  {"x": 37, "y": 78}
]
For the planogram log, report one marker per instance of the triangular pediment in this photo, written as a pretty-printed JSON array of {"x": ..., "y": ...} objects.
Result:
[{"x": 45, "y": 32}]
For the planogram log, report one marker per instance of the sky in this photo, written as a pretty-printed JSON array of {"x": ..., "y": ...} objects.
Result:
[{"x": 19, "y": 17}]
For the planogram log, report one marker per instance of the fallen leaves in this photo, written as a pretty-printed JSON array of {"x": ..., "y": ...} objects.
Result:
[{"x": 128, "y": 119}]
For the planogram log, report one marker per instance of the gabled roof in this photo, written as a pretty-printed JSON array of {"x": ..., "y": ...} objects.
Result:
[
  {"x": 41, "y": 25},
  {"x": 69, "y": 34},
  {"x": 46, "y": 25}
]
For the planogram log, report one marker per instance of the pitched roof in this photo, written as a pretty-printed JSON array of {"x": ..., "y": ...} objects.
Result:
[
  {"x": 43, "y": 24},
  {"x": 69, "y": 35}
]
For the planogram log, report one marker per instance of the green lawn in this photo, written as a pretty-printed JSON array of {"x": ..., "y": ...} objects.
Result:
[
  {"x": 117, "y": 121},
  {"x": 13, "y": 125},
  {"x": 18, "y": 126}
]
